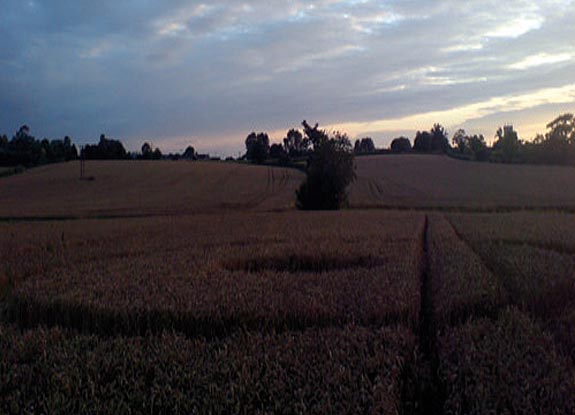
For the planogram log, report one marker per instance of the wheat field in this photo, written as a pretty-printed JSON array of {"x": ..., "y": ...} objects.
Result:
[
  {"x": 136, "y": 188},
  {"x": 431, "y": 181},
  {"x": 164, "y": 297}
]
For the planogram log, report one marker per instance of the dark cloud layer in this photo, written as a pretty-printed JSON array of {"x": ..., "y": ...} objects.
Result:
[{"x": 208, "y": 73}]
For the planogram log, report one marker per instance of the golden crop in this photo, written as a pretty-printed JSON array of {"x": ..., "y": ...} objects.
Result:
[
  {"x": 175, "y": 287},
  {"x": 136, "y": 188},
  {"x": 209, "y": 277},
  {"x": 431, "y": 181}
]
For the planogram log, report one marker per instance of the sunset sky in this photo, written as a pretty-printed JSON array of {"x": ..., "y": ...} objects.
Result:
[{"x": 181, "y": 72}]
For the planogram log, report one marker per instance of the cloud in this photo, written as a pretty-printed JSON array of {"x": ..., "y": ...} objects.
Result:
[
  {"x": 542, "y": 59},
  {"x": 214, "y": 71},
  {"x": 462, "y": 114}
]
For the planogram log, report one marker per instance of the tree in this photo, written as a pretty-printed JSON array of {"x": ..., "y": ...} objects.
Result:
[
  {"x": 558, "y": 144},
  {"x": 189, "y": 153},
  {"x": 277, "y": 151},
  {"x": 474, "y": 146},
  {"x": 422, "y": 142},
  {"x": 329, "y": 171},
  {"x": 459, "y": 140},
  {"x": 157, "y": 154},
  {"x": 295, "y": 144},
  {"x": 477, "y": 146},
  {"x": 147, "y": 151},
  {"x": 400, "y": 145},
  {"x": 562, "y": 128},
  {"x": 26, "y": 150},
  {"x": 439, "y": 141},
  {"x": 364, "y": 146},
  {"x": 257, "y": 147},
  {"x": 70, "y": 151},
  {"x": 106, "y": 149},
  {"x": 507, "y": 147}
]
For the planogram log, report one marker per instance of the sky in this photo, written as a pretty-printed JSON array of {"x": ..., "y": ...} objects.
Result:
[{"x": 178, "y": 73}]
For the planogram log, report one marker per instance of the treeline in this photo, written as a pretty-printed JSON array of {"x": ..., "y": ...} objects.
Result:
[
  {"x": 109, "y": 149},
  {"x": 25, "y": 150},
  {"x": 557, "y": 146},
  {"x": 295, "y": 145}
]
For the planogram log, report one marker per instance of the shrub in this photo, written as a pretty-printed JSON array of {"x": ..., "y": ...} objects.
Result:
[{"x": 329, "y": 171}]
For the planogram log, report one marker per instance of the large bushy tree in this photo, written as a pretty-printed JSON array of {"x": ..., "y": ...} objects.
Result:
[
  {"x": 557, "y": 146},
  {"x": 106, "y": 149},
  {"x": 400, "y": 145},
  {"x": 439, "y": 141},
  {"x": 329, "y": 172},
  {"x": 295, "y": 144},
  {"x": 364, "y": 146},
  {"x": 189, "y": 153},
  {"x": 257, "y": 147},
  {"x": 422, "y": 142},
  {"x": 472, "y": 146},
  {"x": 507, "y": 148},
  {"x": 149, "y": 153}
]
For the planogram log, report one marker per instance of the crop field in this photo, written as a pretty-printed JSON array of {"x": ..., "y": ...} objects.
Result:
[
  {"x": 203, "y": 277},
  {"x": 429, "y": 181},
  {"x": 136, "y": 188},
  {"x": 162, "y": 304}
]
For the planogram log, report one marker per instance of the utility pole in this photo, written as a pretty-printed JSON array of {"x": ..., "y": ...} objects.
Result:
[{"x": 82, "y": 163}]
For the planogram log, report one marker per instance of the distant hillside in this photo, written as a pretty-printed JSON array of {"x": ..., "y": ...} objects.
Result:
[
  {"x": 439, "y": 181},
  {"x": 145, "y": 188},
  {"x": 135, "y": 188}
]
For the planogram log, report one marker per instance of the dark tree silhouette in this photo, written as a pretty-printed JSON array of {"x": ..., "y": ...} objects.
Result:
[
  {"x": 277, "y": 151},
  {"x": 23, "y": 149},
  {"x": 147, "y": 151},
  {"x": 477, "y": 147},
  {"x": 507, "y": 148},
  {"x": 329, "y": 171},
  {"x": 400, "y": 145},
  {"x": 562, "y": 128},
  {"x": 189, "y": 153},
  {"x": 364, "y": 146},
  {"x": 295, "y": 143},
  {"x": 459, "y": 140},
  {"x": 472, "y": 147},
  {"x": 557, "y": 146},
  {"x": 439, "y": 141},
  {"x": 106, "y": 149},
  {"x": 422, "y": 142},
  {"x": 257, "y": 147}
]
